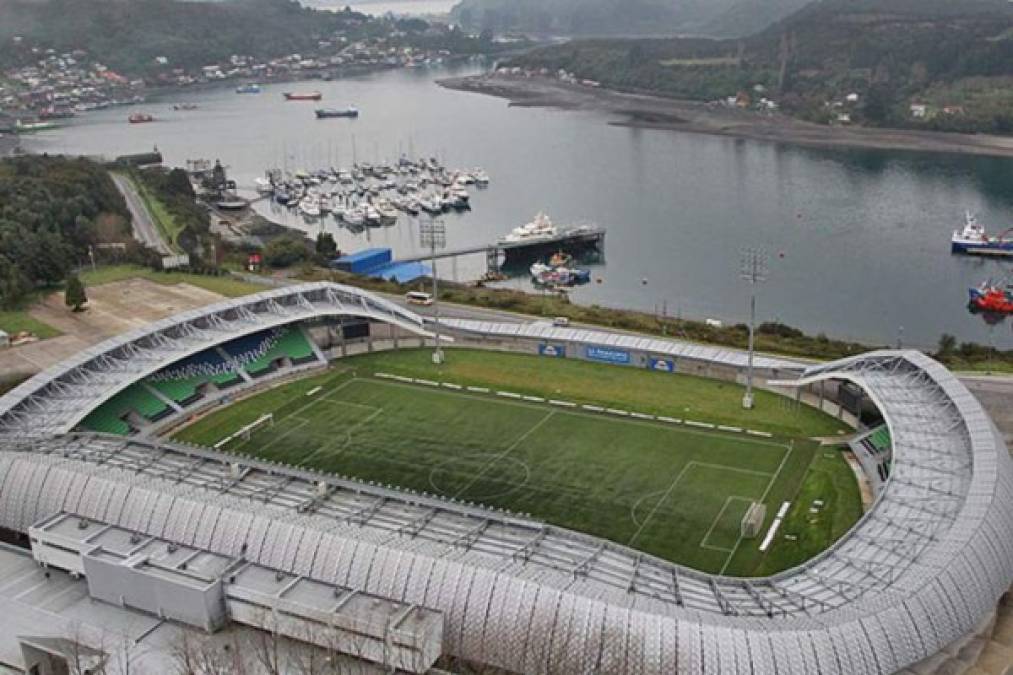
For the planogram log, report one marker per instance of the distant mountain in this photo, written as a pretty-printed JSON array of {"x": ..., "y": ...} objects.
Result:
[
  {"x": 953, "y": 60},
  {"x": 748, "y": 17},
  {"x": 623, "y": 17}
]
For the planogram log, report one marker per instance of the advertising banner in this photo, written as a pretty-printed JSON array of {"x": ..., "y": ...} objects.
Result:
[
  {"x": 608, "y": 354},
  {"x": 558, "y": 351}
]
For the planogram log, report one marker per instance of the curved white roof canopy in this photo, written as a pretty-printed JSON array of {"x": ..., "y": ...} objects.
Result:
[{"x": 920, "y": 570}]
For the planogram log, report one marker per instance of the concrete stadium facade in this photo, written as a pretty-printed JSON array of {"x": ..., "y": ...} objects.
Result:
[{"x": 920, "y": 570}]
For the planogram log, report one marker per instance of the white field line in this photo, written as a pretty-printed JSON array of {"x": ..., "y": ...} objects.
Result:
[
  {"x": 659, "y": 503},
  {"x": 506, "y": 452},
  {"x": 348, "y": 436},
  {"x": 762, "y": 499},
  {"x": 314, "y": 391},
  {"x": 724, "y": 507},
  {"x": 642, "y": 417}
]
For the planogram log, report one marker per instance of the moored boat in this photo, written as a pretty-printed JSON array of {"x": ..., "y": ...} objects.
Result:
[
  {"x": 539, "y": 229},
  {"x": 303, "y": 96},
  {"x": 140, "y": 118},
  {"x": 992, "y": 297},
  {"x": 974, "y": 240},
  {"x": 326, "y": 113},
  {"x": 248, "y": 89}
]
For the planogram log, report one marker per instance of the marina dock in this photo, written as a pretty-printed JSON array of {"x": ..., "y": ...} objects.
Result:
[{"x": 501, "y": 253}]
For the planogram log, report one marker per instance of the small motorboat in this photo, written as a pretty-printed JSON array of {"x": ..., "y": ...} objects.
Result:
[
  {"x": 303, "y": 96},
  {"x": 329, "y": 113}
]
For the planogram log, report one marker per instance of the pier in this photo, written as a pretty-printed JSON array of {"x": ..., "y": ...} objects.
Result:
[{"x": 571, "y": 241}]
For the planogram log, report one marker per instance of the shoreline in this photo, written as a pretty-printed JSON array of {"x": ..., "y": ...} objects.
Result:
[{"x": 644, "y": 111}]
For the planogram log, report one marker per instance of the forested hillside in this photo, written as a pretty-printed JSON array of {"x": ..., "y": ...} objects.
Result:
[
  {"x": 953, "y": 58},
  {"x": 624, "y": 17},
  {"x": 130, "y": 34},
  {"x": 51, "y": 210}
]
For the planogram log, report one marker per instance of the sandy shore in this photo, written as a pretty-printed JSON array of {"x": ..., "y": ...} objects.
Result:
[{"x": 653, "y": 112}]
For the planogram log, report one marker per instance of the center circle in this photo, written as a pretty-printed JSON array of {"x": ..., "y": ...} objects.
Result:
[{"x": 490, "y": 465}]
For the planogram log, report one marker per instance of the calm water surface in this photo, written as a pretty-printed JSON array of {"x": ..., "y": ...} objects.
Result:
[{"x": 859, "y": 239}]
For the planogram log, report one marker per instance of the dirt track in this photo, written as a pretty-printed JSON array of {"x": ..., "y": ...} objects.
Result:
[{"x": 653, "y": 112}]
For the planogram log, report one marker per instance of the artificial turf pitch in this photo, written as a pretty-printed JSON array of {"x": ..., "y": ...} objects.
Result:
[{"x": 672, "y": 491}]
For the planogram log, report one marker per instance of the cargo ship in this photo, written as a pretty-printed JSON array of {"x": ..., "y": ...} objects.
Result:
[
  {"x": 326, "y": 113},
  {"x": 973, "y": 240},
  {"x": 303, "y": 96},
  {"x": 992, "y": 297}
]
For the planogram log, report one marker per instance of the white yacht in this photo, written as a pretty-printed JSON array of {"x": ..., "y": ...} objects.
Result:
[{"x": 538, "y": 229}]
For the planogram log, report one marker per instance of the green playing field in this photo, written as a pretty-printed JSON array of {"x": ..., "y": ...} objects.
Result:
[{"x": 673, "y": 491}]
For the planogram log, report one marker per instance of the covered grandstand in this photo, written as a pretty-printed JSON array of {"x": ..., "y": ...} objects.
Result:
[{"x": 920, "y": 570}]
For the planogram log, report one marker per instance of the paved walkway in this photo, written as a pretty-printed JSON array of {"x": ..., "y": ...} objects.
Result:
[{"x": 145, "y": 230}]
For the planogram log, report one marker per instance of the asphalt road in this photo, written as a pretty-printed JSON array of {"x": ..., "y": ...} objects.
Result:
[{"x": 145, "y": 230}]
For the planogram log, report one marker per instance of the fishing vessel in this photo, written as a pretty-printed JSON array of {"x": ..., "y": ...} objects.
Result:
[
  {"x": 541, "y": 228},
  {"x": 32, "y": 127},
  {"x": 140, "y": 118},
  {"x": 326, "y": 113},
  {"x": 992, "y": 297},
  {"x": 248, "y": 89},
  {"x": 303, "y": 96},
  {"x": 974, "y": 240}
]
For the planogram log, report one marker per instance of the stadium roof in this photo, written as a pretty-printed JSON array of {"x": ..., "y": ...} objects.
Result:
[
  {"x": 920, "y": 569},
  {"x": 585, "y": 336},
  {"x": 55, "y": 400}
]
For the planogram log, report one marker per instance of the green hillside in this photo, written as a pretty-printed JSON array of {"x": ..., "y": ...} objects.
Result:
[{"x": 956, "y": 58}]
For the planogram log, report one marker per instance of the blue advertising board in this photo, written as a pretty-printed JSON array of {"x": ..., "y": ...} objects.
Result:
[
  {"x": 559, "y": 351},
  {"x": 661, "y": 365},
  {"x": 608, "y": 354}
]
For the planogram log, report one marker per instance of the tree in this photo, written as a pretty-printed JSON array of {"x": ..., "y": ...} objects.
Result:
[
  {"x": 75, "y": 296},
  {"x": 947, "y": 345},
  {"x": 285, "y": 251},
  {"x": 327, "y": 248}
]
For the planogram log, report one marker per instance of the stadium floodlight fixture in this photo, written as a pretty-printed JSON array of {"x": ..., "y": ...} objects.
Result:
[
  {"x": 753, "y": 268},
  {"x": 433, "y": 234}
]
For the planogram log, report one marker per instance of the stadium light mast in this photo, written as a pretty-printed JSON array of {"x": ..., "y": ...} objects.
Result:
[
  {"x": 753, "y": 266},
  {"x": 434, "y": 235}
]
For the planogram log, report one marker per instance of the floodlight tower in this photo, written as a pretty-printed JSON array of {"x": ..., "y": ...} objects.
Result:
[
  {"x": 753, "y": 266},
  {"x": 434, "y": 235}
]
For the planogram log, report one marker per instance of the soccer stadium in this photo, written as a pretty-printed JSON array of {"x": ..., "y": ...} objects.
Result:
[{"x": 291, "y": 468}]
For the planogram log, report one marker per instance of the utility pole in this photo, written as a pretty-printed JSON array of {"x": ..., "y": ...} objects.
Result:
[
  {"x": 434, "y": 235},
  {"x": 753, "y": 265}
]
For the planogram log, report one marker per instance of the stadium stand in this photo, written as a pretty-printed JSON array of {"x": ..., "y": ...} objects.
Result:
[
  {"x": 112, "y": 416},
  {"x": 182, "y": 382},
  {"x": 189, "y": 380},
  {"x": 289, "y": 343}
]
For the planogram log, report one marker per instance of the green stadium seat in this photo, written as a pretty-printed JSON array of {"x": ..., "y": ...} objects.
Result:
[
  {"x": 108, "y": 417},
  {"x": 291, "y": 343}
]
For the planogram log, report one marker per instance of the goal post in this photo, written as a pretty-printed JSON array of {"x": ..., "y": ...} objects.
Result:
[
  {"x": 263, "y": 421},
  {"x": 245, "y": 432},
  {"x": 752, "y": 521}
]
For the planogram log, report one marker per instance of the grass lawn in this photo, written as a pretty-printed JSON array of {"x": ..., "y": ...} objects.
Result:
[
  {"x": 676, "y": 492},
  {"x": 804, "y": 534},
  {"x": 636, "y": 389},
  {"x": 16, "y": 320},
  {"x": 225, "y": 285}
]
